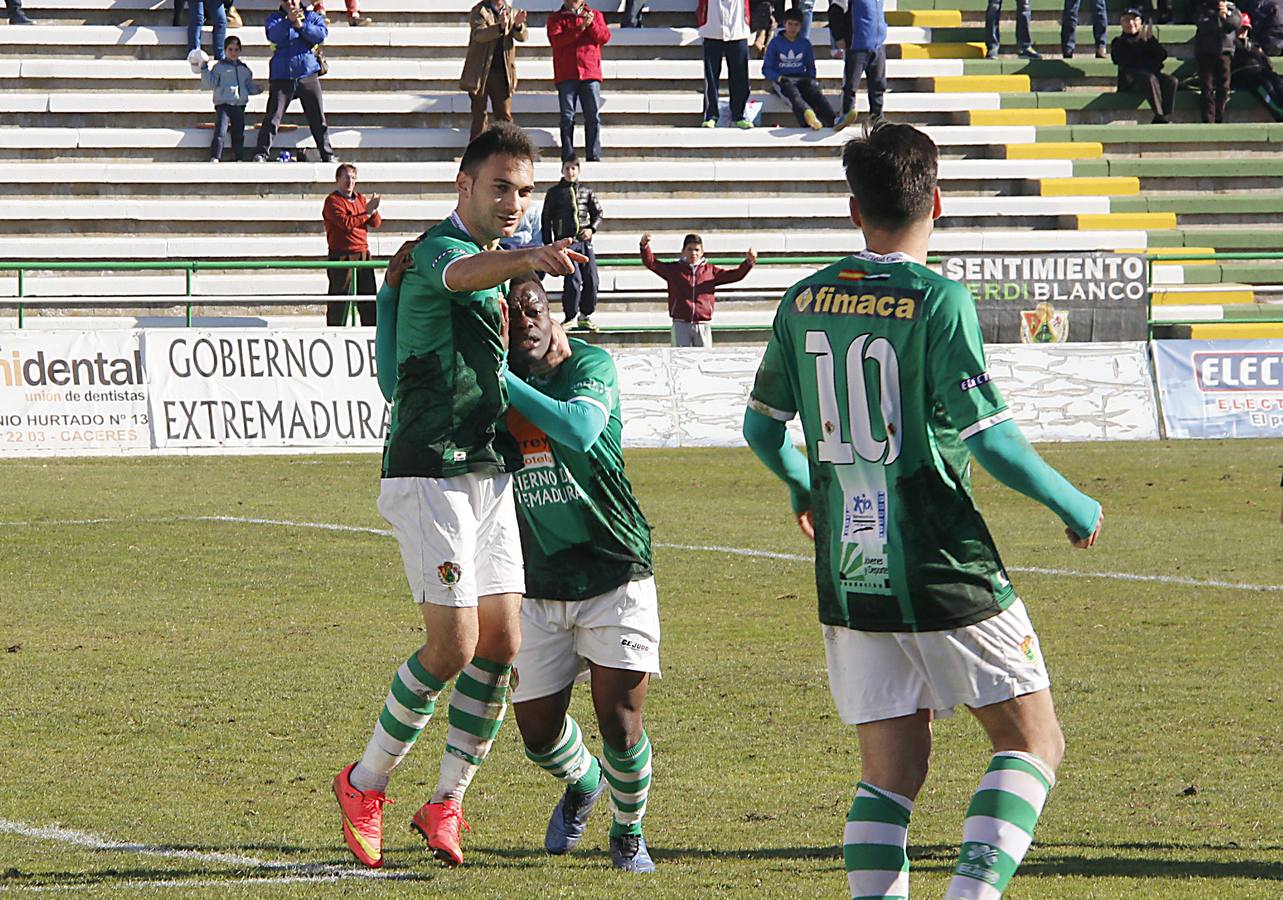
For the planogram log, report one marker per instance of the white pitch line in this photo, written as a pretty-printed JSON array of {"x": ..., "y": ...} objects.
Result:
[
  {"x": 698, "y": 548},
  {"x": 223, "y": 883},
  {"x": 88, "y": 841}
]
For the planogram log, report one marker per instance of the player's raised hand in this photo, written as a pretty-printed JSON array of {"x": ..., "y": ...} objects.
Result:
[
  {"x": 401, "y": 262},
  {"x": 807, "y": 523},
  {"x": 1082, "y": 543},
  {"x": 556, "y": 258}
]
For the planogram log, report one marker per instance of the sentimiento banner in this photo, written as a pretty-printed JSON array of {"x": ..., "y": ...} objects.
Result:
[
  {"x": 253, "y": 389},
  {"x": 1221, "y": 389},
  {"x": 72, "y": 391},
  {"x": 1054, "y": 298}
]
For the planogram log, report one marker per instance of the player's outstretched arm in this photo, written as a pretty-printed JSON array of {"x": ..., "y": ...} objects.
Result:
[
  {"x": 491, "y": 268},
  {"x": 385, "y": 338},
  {"x": 769, "y": 440},
  {"x": 1008, "y": 457},
  {"x": 574, "y": 423}
]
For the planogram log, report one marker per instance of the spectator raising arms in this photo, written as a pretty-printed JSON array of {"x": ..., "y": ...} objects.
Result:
[
  {"x": 295, "y": 32},
  {"x": 723, "y": 24},
  {"x": 348, "y": 216},
  {"x": 1139, "y": 57},
  {"x": 233, "y": 85},
  {"x": 571, "y": 210},
  {"x": 692, "y": 288},
  {"x": 577, "y": 33},
  {"x": 490, "y": 66}
]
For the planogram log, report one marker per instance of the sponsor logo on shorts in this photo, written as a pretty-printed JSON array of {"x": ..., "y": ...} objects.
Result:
[
  {"x": 975, "y": 381},
  {"x": 1027, "y": 648},
  {"x": 634, "y": 645},
  {"x": 449, "y": 573}
]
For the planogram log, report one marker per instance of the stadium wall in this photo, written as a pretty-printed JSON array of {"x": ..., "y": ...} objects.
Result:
[{"x": 170, "y": 390}]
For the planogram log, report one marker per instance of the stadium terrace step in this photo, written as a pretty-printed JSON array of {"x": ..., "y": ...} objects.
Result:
[
  {"x": 1086, "y": 186},
  {"x": 1206, "y": 208},
  {"x": 1063, "y": 150},
  {"x": 1237, "y": 140},
  {"x": 1221, "y": 238},
  {"x": 1017, "y": 116}
]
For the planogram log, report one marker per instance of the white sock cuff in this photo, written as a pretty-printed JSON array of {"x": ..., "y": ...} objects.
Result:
[
  {"x": 1034, "y": 761},
  {"x": 887, "y": 795}
]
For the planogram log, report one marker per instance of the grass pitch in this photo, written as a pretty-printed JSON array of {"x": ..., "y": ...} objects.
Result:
[{"x": 193, "y": 686}]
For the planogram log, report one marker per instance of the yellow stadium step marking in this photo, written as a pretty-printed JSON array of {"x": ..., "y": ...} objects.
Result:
[
  {"x": 1150, "y": 221},
  {"x": 1121, "y": 186},
  {"x": 942, "y": 51},
  {"x": 1056, "y": 150},
  {"x": 925, "y": 18},
  {"x": 1235, "y": 330},
  {"x": 1201, "y": 298},
  {"x": 978, "y": 84},
  {"x": 1017, "y": 117}
]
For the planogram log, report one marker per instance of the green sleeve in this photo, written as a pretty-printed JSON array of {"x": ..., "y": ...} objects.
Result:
[
  {"x": 385, "y": 355},
  {"x": 773, "y": 394},
  {"x": 769, "y": 440},
  {"x": 434, "y": 255},
  {"x": 956, "y": 372},
  {"x": 1008, "y": 457}
]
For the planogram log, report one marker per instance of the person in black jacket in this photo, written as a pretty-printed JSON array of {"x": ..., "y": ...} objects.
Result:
[
  {"x": 1139, "y": 57},
  {"x": 1251, "y": 71},
  {"x": 1267, "y": 24},
  {"x": 571, "y": 210},
  {"x": 1216, "y": 23}
]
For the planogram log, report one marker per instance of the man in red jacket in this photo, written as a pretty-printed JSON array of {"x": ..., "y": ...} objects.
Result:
[
  {"x": 692, "y": 288},
  {"x": 577, "y": 34},
  {"x": 348, "y": 217}
]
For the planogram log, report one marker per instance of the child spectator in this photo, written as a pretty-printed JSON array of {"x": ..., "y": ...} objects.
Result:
[
  {"x": 692, "y": 288},
  {"x": 571, "y": 210},
  {"x": 233, "y": 85},
  {"x": 789, "y": 66},
  {"x": 577, "y": 32},
  {"x": 348, "y": 216},
  {"x": 866, "y": 55},
  {"x": 1216, "y": 23},
  {"x": 1251, "y": 71},
  {"x": 1139, "y": 57}
]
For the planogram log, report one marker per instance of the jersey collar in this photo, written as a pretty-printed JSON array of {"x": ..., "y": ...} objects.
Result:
[{"x": 896, "y": 257}]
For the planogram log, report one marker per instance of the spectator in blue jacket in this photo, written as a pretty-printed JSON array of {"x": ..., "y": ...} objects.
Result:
[
  {"x": 789, "y": 66},
  {"x": 866, "y": 55},
  {"x": 295, "y": 32},
  {"x": 233, "y": 85}
]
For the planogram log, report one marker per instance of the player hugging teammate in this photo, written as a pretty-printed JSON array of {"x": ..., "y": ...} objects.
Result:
[{"x": 447, "y": 491}]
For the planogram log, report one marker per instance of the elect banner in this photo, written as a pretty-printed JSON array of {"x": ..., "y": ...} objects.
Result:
[
  {"x": 72, "y": 391},
  {"x": 1221, "y": 389}
]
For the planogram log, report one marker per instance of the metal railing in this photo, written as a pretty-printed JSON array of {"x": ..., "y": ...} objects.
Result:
[{"x": 190, "y": 268}]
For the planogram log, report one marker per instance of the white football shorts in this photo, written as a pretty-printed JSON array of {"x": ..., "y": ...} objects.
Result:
[
  {"x": 458, "y": 536},
  {"x": 618, "y": 629},
  {"x": 876, "y": 675}
]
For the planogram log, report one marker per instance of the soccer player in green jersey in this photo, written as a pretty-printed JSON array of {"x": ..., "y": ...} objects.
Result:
[
  {"x": 590, "y": 605},
  {"x": 447, "y": 488},
  {"x": 882, "y": 360}
]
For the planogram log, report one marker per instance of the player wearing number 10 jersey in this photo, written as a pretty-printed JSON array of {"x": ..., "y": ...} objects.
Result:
[{"x": 883, "y": 361}]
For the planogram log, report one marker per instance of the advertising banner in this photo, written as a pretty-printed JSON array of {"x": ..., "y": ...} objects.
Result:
[
  {"x": 1221, "y": 389},
  {"x": 1054, "y": 298},
  {"x": 267, "y": 390},
  {"x": 72, "y": 392}
]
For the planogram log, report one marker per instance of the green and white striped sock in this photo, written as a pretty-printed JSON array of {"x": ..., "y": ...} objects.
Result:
[
  {"x": 477, "y": 707},
  {"x": 569, "y": 760},
  {"x": 1000, "y": 825},
  {"x": 629, "y": 777},
  {"x": 407, "y": 709},
  {"x": 873, "y": 844}
]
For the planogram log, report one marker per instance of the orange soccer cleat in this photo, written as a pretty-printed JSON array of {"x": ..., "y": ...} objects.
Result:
[
  {"x": 362, "y": 819},
  {"x": 439, "y": 823}
]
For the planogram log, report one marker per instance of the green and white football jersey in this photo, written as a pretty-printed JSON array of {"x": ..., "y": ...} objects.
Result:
[
  {"x": 883, "y": 360},
  {"x": 582, "y": 532},
  {"x": 449, "y": 393}
]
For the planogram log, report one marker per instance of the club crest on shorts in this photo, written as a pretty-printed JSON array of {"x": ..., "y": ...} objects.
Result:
[
  {"x": 449, "y": 573},
  {"x": 1027, "y": 648}
]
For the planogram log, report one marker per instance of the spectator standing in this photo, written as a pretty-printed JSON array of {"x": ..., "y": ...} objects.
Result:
[
  {"x": 571, "y": 210},
  {"x": 1139, "y": 57},
  {"x": 692, "y": 288},
  {"x": 839, "y": 28},
  {"x": 789, "y": 67},
  {"x": 1267, "y": 26},
  {"x": 866, "y": 55},
  {"x": 632, "y": 17},
  {"x": 354, "y": 17},
  {"x": 1024, "y": 40},
  {"x": 762, "y": 25},
  {"x": 490, "y": 65},
  {"x": 577, "y": 33},
  {"x": 1252, "y": 71},
  {"x": 216, "y": 13},
  {"x": 723, "y": 25},
  {"x": 294, "y": 71},
  {"x": 16, "y": 15},
  {"x": 1069, "y": 27},
  {"x": 233, "y": 84},
  {"x": 1214, "y": 50},
  {"x": 348, "y": 216}
]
